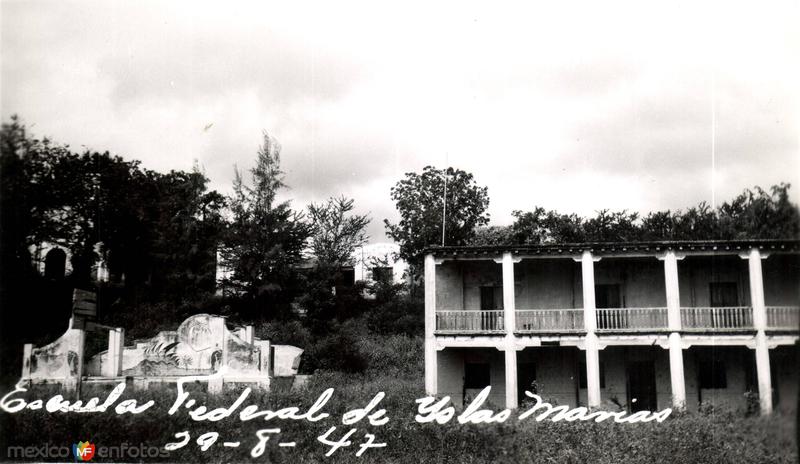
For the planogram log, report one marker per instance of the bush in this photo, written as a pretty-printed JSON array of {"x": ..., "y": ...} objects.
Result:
[
  {"x": 337, "y": 352},
  {"x": 721, "y": 437},
  {"x": 396, "y": 311}
]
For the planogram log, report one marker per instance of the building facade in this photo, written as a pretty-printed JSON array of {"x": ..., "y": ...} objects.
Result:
[
  {"x": 636, "y": 326},
  {"x": 379, "y": 262}
]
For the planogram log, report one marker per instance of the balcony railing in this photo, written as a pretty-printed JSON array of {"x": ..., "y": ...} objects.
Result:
[
  {"x": 631, "y": 319},
  {"x": 783, "y": 317},
  {"x": 723, "y": 319},
  {"x": 470, "y": 321},
  {"x": 550, "y": 320},
  {"x": 700, "y": 319}
]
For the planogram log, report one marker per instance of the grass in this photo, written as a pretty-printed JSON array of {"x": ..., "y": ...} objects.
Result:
[{"x": 394, "y": 367}]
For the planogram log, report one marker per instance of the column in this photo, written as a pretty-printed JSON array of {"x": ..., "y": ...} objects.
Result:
[
  {"x": 760, "y": 324},
  {"x": 218, "y": 327},
  {"x": 590, "y": 321},
  {"x": 676, "y": 371},
  {"x": 249, "y": 337},
  {"x": 674, "y": 321},
  {"x": 509, "y": 315},
  {"x": 431, "y": 374},
  {"x": 116, "y": 344},
  {"x": 72, "y": 383},
  {"x": 27, "y": 352}
]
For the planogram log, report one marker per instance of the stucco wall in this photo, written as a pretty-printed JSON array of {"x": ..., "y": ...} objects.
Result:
[
  {"x": 451, "y": 374},
  {"x": 449, "y": 286},
  {"x": 737, "y": 361},
  {"x": 641, "y": 280},
  {"x": 784, "y": 363},
  {"x": 556, "y": 283},
  {"x": 547, "y": 284},
  {"x": 556, "y": 372},
  {"x": 696, "y": 273},
  {"x": 781, "y": 280},
  {"x": 482, "y": 274}
]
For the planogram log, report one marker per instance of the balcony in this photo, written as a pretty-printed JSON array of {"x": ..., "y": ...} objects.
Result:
[
  {"x": 632, "y": 320},
  {"x": 783, "y": 318},
  {"x": 717, "y": 319},
  {"x": 550, "y": 321},
  {"x": 470, "y": 322},
  {"x": 617, "y": 320}
]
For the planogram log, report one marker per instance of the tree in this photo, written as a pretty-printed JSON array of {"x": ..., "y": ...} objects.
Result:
[
  {"x": 158, "y": 230},
  {"x": 542, "y": 227},
  {"x": 754, "y": 214},
  {"x": 492, "y": 236},
  {"x": 420, "y": 199},
  {"x": 265, "y": 238},
  {"x": 336, "y": 233}
]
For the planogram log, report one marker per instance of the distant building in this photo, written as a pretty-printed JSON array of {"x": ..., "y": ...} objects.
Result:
[
  {"x": 370, "y": 263},
  {"x": 640, "y": 326},
  {"x": 379, "y": 262},
  {"x": 53, "y": 261}
]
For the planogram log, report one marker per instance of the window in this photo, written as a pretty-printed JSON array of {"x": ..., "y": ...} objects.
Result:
[
  {"x": 582, "y": 375},
  {"x": 607, "y": 296},
  {"x": 723, "y": 294},
  {"x": 712, "y": 375},
  {"x": 345, "y": 277},
  {"x": 476, "y": 375},
  {"x": 382, "y": 274}
]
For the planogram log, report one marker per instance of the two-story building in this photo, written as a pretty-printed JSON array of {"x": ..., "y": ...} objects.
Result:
[{"x": 641, "y": 326}]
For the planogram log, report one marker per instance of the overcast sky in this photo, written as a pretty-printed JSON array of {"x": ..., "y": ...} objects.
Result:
[{"x": 570, "y": 106}]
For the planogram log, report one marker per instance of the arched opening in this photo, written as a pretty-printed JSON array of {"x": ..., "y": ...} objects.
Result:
[{"x": 55, "y": 263}]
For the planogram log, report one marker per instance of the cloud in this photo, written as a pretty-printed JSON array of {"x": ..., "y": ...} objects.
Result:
[{"x": 573, "y": 106}]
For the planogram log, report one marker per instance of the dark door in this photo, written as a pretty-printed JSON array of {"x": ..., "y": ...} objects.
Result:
[
  {"x": 724, "y": 294},
  {"x": 641, "y": 386},
  {"x": 526, "y": 380},
  {"x": 607, "y": 296},
  {"x": 487, "y": 299},
  {"x": 477, "y": 376}
]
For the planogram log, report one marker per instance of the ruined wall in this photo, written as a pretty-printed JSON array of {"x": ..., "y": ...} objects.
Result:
[
  {"x": 201, "y": 345},
  {"x": 58, "y": 360}
]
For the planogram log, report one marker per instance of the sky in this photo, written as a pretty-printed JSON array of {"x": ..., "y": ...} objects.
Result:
[{"x": 574, "y": 106}]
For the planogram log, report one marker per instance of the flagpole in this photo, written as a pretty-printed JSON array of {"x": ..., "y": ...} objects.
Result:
[{"x": 444, "y": 199}]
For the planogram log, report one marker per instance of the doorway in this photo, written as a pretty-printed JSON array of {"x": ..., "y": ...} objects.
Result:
[
  {"x": 526, "y": 380},
  {"x": 641, "y": 386}
]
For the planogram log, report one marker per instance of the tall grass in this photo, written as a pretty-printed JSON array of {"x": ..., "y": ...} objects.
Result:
[{"x": 394, "y": 366}]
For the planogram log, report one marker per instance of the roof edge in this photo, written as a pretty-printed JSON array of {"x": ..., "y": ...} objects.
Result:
[{"x": 661, "y": 245}]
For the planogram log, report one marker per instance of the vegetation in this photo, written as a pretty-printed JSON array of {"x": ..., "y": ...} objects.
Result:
[
  {"x": 394, "y": 366},
  {"x": 264, "y": 240},
  {"x": 337, "y": 232},
  {"x": 754, "y": 214},
  {"x": 161, "y": 232},
  {"x": 420, "y": 199}
]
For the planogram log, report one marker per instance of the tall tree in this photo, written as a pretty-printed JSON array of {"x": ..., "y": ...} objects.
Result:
[
  {"x": 265, "y": 238},
  {"x": 337, "y": 232},
  {"x": 420, "y": 199}
]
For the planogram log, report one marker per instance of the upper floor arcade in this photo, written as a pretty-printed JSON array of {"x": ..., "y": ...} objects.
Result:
[{"x": 658, "y": 287}]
